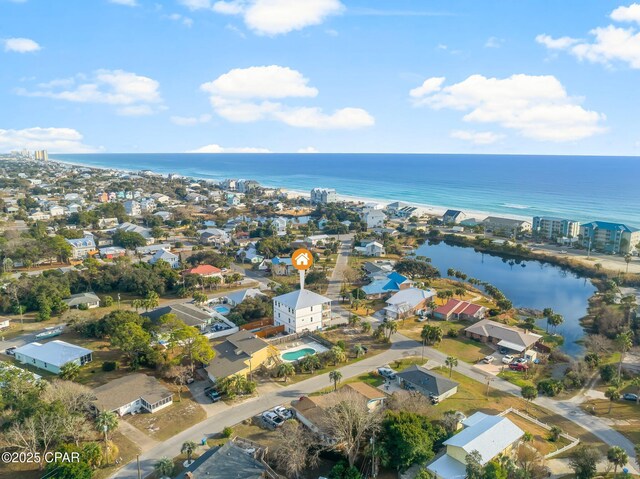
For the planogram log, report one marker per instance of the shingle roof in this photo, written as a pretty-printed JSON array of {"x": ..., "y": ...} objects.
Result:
[
  {"x": 57, "y": 353},
  {"x": 232, "y": 355},
  {"x": 301, "y": 298},
  {"x": 488, "y": 328},
  {"x": 426, "y": 380},
  {"x": 228, "y": 462},
  {"x": 410, "y": 296},
  {"x": 129, "y": 388},
  {"x": 81, "y": 298},
  {"x": 239, "y": 296},
  {"x": 489, "y": 435},
  {"x": 190, "y": 314}
]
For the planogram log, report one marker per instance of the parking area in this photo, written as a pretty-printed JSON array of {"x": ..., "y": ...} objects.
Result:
[
  {"x": 501, "y": 362},
  {"x": 199, "y": 390}
]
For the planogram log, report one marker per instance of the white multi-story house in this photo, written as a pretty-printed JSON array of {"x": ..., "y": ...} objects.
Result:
[
  {"x": 301, "y": 310},
  {"x": 324, "y": 195},
  {"x": 132, "y": 208},
  {"x": 82, "y": 247},
  {"x": 555, "y": 228},
  {"x": 373, "y": 215}
]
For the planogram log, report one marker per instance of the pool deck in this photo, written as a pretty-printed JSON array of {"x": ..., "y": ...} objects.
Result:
[{"x": 301, "y": 343}]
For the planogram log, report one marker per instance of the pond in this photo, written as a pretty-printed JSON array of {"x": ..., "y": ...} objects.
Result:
[{"x": 528, "y": 284}]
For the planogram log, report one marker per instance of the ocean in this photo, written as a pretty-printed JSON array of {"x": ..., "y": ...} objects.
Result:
[{"x": 583, "y": 188}]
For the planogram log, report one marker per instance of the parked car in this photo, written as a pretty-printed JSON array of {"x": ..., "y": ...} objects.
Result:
[
  {"x": 518, "y": 366},
  {"x": 488, "y": 359},
  {"x": 507, "y": 359},
  {"x": 10, "y": 351},
  {"x": 272, "y": 419},
  {"x": 630, "y": 397},
  {"x": 387, "y": 373},
  {"x": 283, "y": 412},
  {"x": 434, "y": 399},
  {"x": 521, "y": 361},
  {"x": 503, "y": 350},
  {"x": 190, "y": 380},
  {"x": 213, "y": 394}
]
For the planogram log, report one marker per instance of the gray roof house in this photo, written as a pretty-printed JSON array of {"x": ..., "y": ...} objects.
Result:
[
  {"x": 426, "y": 382},
  {"x": 240, "y": 353},
  {"x": 89, "y": 299},
  {"x": 502, "y": 335},
  {"x": 131, "y": 394},
  {"x": 238, "y": 297},
  {"x": 188, "y": 313}
]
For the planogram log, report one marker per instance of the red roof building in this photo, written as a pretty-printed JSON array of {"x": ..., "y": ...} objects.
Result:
[
  {"x": 204, "y": 270},
  {"x": 457, "y": 309}
]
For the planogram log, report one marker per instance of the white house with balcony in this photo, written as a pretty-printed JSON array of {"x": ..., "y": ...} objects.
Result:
[{"x": 301, "y": 310}]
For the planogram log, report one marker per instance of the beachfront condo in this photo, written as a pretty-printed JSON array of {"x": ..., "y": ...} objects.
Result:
[
  {"x": 553, "y": 228},
  {"x": 323, "y": 195},
  {"x": 614, "y": 238}
]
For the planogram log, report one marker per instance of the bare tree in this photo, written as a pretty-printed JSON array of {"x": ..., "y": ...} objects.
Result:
[
  {"x": 180, "y": 375},
  {"x": 74, "y": 397},
  {"x": 409, "y": 401},
  {"x": 350, "y": 422},
  {"x": 531, "y": 462},
  {"x": 38, "y": 433},
  {"x": 597, "y": 343},
  {"x": 297, "y": 449}
]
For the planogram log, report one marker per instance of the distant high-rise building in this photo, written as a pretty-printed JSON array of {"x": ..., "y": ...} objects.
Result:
[
  {"x": 41, "y": 155},
  {"x": 324, "y": 195}
]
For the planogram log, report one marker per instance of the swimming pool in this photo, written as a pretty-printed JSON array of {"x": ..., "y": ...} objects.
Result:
[
  {"x": 222, "y": 309},
  {"x": 297, "y": 354}
]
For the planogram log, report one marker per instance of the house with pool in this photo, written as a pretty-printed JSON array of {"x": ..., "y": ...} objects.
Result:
[{"x": 301, "y": 310}]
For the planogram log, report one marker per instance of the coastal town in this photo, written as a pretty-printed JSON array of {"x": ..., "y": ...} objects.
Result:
[{"x": 160, "y": 325}]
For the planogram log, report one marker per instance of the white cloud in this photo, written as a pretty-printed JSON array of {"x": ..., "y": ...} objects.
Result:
[
  {"x": 20, "y": 45},
  {"x": 250, "y": 94},
  {"x": 261, "y": 82},
  {"x": 627, "y": 14},
  {"x": 430, "y": 85},
  {"x": 213, "y": 148},
  {"x": 127, "y": 3},
  {"x": 560, "y": 43},
  {"x": 344, "y": 118},
  {"x": 308, "y": 149},
  {"x": 55, "y": 140},
  {"x": 190, "y": 120},
  {"x": 273, "y": 17},
  {"x": 610, "y": 44},
  {"x": 537, "y": 107},
  {"x": 176, "y": 17},
  {"x": 133, "y": 94},
  {"x": 493, "y": 42},
  {"x": 476, "y": 137}
]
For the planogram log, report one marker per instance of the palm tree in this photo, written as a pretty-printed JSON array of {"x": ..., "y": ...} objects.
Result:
[
  {"x": 391, "y": 327},
  {"x": 627, "y": 259},
  {"x": 188, "y": 448},
  {"x": 366, "y": 327},
  {"x": 547, "y": 313},
  {"x": 335, "y": 377},
  {"x": 164, "y": 467},
  {"x": 106, "y": 421},
  {"x": 358, "y": 350},
  {"x": 285, "y": 370},
  {"x": 451, "y": 363},
  {"x": 338, "y": 355},
  {"x": 618, "y": 457},
  {"x": 612, "y": 394},
  {"x": 635, "y": 382},
  {"x": 624, "y": 342}
]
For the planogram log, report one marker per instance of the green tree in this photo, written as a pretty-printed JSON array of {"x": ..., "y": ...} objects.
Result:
[
  {"x": 335, "y": 377},
  {"x": 70, "y": 371},
  {"x": 163, "y": 468},
  {"x": 128, "y": 239},
  {"x": 342, "y": 470},
  {"x": 474, "y": 465},
  {"x": 612, "y": 394},
  {"x": 358, "y": 350},
  {"x": 494, "y": 470},
  {"x": 188, "y": 448},
  {"x": 618, "y": 457},
  {"x": 451, "y": 362},
  {"x": 407, "y": 438},
  {"x": 285, "y": 370},
  {"x": 554, "y": 433},
  {"x": 133, "y": 341},
  {"x": 529, "y": 393},
  {"x": 366, "y": 327},
  {"x": 584, "y": 461},
  {"x": 338, "y": 355},
  {"x": 624, "y": 342}
]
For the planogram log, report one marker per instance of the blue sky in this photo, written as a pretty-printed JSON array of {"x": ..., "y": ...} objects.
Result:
[{"x": 531, "y": 77}]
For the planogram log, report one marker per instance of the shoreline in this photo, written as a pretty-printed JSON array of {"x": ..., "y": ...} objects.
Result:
[{"x": 433, "y": 210}]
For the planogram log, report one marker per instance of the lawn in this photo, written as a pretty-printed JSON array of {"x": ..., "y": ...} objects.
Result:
[
  {"x": 170, "y": 421},
  {"x": 127, "y": 451},
  {"x": 540, "y": 435},
  {"x": 625, "y": 413},
  {"x": 462, "y": 348}
]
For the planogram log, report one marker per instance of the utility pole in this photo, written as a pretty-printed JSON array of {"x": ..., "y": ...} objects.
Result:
[
  {"x": 374, "y": 465},
  {"x": 138, "y": 461}
]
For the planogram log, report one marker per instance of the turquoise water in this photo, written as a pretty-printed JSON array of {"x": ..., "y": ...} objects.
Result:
[
  {"x": 222, "y": 309},
  {"x": 583, "y": 188},
  {"x": 528, "y": 284},
  {"x": 300, "y": 353}
]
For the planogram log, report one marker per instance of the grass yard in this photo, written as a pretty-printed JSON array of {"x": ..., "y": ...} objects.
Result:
[
  {"x": 170, "y": 421},
  {"x": 540, "y": 435},
  {"x": 462, "y": 348},
  {"x": 625, "y": 413},
  {"x": 127, "y": 451}
]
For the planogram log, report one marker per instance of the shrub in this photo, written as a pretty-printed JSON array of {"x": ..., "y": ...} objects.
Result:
[
  {"x": 107, "y": 301},
  {"x": 550, "y": 387},
  {"x": 452, "y": 333},
  {"x": 227, "y": 432},
  {"x": 608, "y": 372},
  {"x": 83, "y": 307},
  {"x": 109, "y": 366}
]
